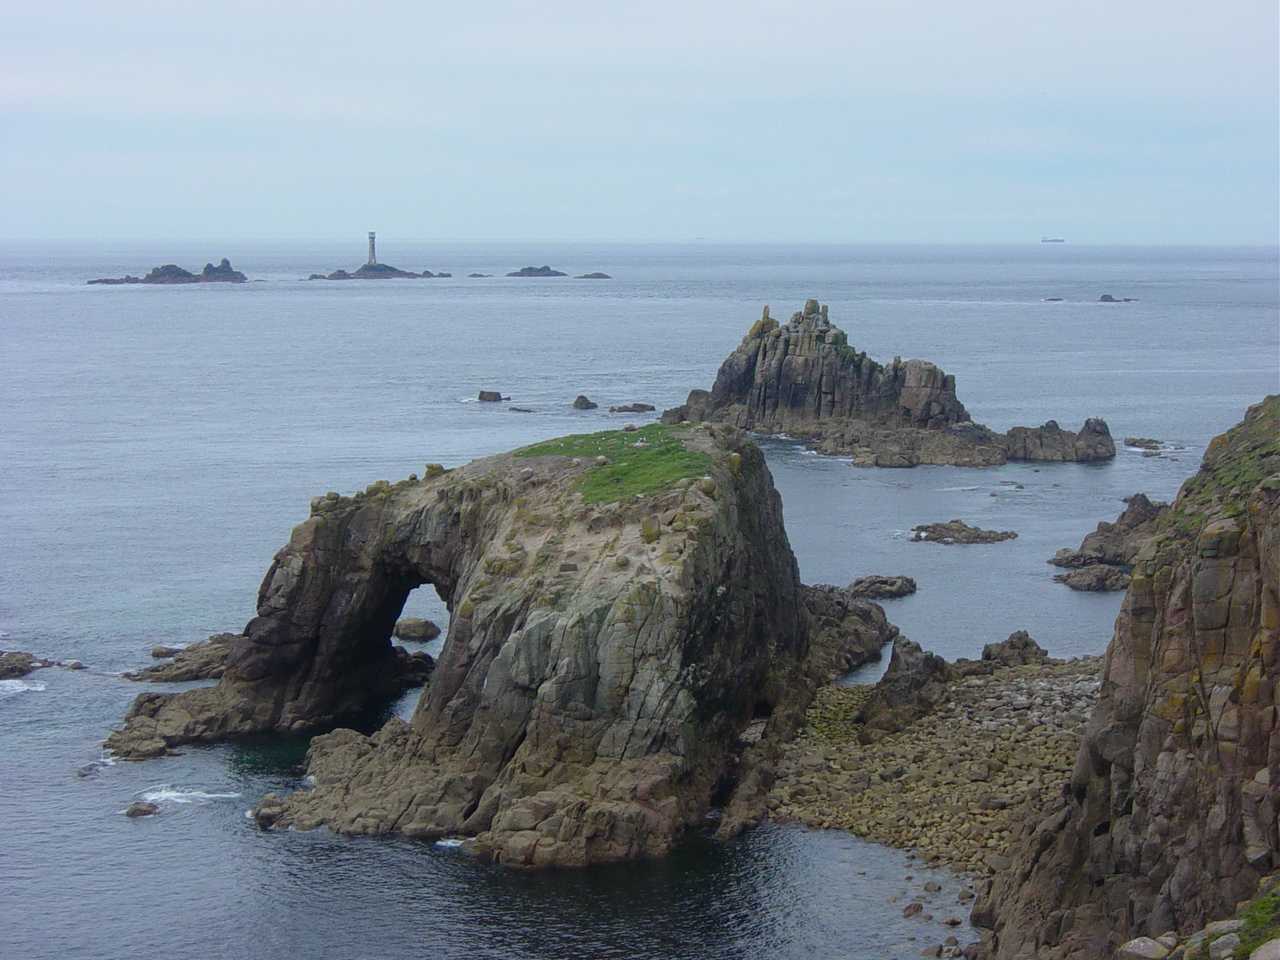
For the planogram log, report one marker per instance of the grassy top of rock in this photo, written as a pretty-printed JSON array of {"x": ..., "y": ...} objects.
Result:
[
  {"x": 635, "y": 462},
  {"x": 1234, "y": 465}
]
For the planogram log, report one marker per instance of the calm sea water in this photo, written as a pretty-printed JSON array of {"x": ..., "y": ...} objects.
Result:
[{"x": 157, "y": 444}]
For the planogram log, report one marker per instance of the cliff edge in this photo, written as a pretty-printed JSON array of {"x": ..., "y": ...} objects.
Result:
[
  {"x": 803, "y": 379},
  {"x": 1169, "y": 818}
]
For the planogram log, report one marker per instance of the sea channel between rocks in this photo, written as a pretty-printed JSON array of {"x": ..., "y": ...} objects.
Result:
[{"x": 956, "y": 785}]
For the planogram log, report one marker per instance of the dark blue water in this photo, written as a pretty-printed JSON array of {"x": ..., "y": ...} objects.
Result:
[{"x": 158, "y": 443}]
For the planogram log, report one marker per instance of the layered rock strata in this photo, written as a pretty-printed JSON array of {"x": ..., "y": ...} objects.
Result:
[
  {"x": 1106, "y": 555},
  {"x": 1169, "y": 817},
  {"x": 608, "y": 647},
  {"x": 804, "y": 380}
]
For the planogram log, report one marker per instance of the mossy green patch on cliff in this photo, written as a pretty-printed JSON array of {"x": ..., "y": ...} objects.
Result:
[
  {"x": 1261, "y": 924},
  {"x": 1234, "y": 465},
  {"x": 639, "y": 462}
]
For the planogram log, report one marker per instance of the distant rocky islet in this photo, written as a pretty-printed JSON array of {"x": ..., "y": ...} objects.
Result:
[{"x": 171, "y": 273}]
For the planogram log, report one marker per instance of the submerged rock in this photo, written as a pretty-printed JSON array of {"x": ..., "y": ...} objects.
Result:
[
  {"x": 803, "y": 379},
  {"x": 614, "y": 628}
]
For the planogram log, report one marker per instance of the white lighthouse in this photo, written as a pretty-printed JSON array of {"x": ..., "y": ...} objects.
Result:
[{"x": 372, "y": 257}]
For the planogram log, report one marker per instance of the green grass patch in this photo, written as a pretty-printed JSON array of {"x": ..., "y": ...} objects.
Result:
[
  {"x": 1261, "y": 924},
  {"x": 645, "y": 461},
  {"x": 1235, "y": 464}
]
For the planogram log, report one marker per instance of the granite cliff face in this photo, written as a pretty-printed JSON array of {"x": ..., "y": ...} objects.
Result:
[
  {"x": 622, "y": 607},
  {"x": 1169, "y": 818},
  {"x": 803, "y": 379}
]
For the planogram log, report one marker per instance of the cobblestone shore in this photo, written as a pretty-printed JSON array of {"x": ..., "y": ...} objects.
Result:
[{"x": 952, "y": 784}]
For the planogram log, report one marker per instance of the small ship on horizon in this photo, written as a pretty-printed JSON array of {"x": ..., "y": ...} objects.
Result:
[{"x": 1052, "y": 240}]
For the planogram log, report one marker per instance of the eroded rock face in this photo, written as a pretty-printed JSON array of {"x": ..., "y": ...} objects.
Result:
[
  {"x": 803, "y": 379},
  {"x": 601, "y": 661},
  {"x": 1169, "y": 818}
]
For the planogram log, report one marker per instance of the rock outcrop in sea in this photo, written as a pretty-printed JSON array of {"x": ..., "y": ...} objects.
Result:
[
  {"x": 1170, "y": 816},
  {"x": 803, "y": 379},
  {"x": 624, "y": 607},
  {"x": 172, "y": 273},
  {"x": 378, "y": 271},
  {"x": 1105, "y": 556},
  {"x": 15, "y": 664}
]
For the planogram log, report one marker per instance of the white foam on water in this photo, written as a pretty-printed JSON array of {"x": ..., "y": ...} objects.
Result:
[
  {"x": 11, "y": 688},
  {"x": 450, "y": 842},
  {"x": 166, "y": 793}
]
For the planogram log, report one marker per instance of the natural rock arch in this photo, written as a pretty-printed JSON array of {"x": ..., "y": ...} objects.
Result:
[{"x": 603, "y": 654}]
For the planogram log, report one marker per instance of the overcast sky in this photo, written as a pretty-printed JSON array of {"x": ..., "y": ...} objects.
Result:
[{"x": 810, "y": 120}]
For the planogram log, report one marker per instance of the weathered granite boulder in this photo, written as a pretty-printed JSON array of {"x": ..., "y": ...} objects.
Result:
[
  {"x": 957, "y": 531},
  {"x": 1170, "y": 817},
  {"x": 876, "y": 587},
  {"x": 803, "y": 379},
  {"x": 1095, "y": 578},
  {"x": 415, "y": 629},
  {"x": 912, "y": 686},
  {"x": 622, "y": 606},
  {"x": 1016, "y": 651},
  {"x": 1106, "y": 555},
  {"x": 1050, "y": 442},
  {"x": 846, "y": 630}
]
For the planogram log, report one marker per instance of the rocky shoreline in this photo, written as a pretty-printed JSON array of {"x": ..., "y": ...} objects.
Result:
[{"x": 953, "y": 785}]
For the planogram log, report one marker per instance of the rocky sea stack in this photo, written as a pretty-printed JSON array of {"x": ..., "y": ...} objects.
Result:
[
  {"x": 623, "y": 607},
  {"x": 1170, "y": 816},
  {"x": 803, "y": 379}
]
